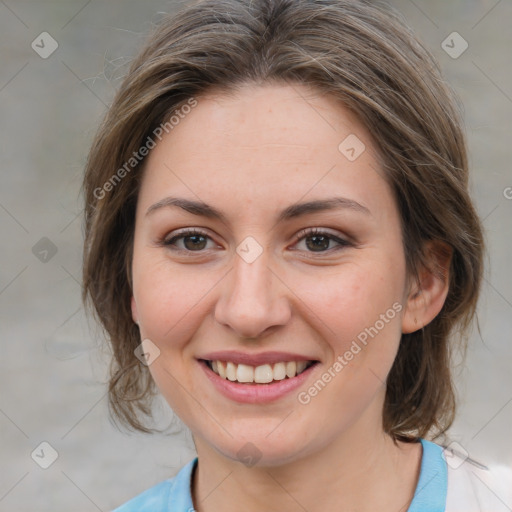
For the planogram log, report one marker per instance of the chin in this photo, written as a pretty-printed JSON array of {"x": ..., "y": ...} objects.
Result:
[{"x": 261, "y": 449}]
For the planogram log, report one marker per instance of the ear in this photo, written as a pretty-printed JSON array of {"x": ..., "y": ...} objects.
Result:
[
  {"x": 135, "y": 313},
  {"x": 427, "y": 295}
]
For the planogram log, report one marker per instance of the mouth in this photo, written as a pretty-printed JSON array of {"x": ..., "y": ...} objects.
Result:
[
  {"x": 257, "y": 378},
  {"x": 258, "y": 375}
]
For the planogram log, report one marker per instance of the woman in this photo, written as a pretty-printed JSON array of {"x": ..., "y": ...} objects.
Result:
[{"x": 279, "y": 236}]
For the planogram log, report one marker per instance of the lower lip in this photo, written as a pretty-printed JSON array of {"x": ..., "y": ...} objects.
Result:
[{"x": 256, "y": 393}]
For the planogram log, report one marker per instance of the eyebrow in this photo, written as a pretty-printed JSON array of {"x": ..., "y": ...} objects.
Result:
[{"x": 293, "y": 211}]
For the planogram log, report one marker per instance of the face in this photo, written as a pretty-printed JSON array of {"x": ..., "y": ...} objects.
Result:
[{"x": 263, "y": 284}]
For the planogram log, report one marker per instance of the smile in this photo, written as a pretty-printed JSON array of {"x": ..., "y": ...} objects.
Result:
[
  {"x": 262, "y": 384},
  {"x": 262, "y": 374}
]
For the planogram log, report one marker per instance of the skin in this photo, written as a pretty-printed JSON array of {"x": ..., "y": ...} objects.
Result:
[{"x": 250, "y": 155}]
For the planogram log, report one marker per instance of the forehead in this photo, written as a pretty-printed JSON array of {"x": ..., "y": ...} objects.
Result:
[{"x": 264, "y": 146}]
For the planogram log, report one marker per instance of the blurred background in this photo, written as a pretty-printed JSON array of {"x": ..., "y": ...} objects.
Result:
[{"x": 61, "y": 62}]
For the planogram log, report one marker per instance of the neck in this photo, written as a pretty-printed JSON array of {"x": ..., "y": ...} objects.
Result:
[{"x": 362, "y": 470}]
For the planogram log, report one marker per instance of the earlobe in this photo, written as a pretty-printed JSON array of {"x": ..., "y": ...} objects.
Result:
[
  {"x": 428, "y": 293},
  {"x": 135, "y": 315}
]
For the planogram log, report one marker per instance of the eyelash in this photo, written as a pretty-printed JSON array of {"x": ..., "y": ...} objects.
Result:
[{"x": 305, "y": 233}]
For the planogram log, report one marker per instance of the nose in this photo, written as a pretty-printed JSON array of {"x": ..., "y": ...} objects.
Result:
[{"x": 253, "y": 299}]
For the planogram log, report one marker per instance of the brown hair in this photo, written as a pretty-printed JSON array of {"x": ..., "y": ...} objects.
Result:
[{"x": 362, "y": 54}]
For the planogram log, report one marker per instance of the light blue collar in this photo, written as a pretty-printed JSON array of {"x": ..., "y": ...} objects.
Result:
[
  {"x": 430, "y": 494},
  {"x": 180, "y": 495}
]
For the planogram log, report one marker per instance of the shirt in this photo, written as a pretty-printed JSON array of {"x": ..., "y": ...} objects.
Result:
[{"x": 448, "y": 482}]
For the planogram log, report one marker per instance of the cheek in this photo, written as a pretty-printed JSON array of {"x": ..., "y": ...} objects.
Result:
[
  {"x": 168, "y": 307},
  {"x": 354, "y": 299},
  {"x": 359, "y": 316},
  {"x": 164, "y": 297}
]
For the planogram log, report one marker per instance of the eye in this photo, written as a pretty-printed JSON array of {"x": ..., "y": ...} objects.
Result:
[
  {"x": 321, "y": 240},
  {"x": 194, "y": 240}
]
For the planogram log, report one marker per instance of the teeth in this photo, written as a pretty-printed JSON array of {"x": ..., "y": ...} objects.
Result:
[
  {"x": 279, "y": 371},
  {"x": 262, "y": 374},
  {"x": 221, "y": 368},
  {"x": 245, "y": 373},
  {"x": 301, "y": 366},
  {"x": 231, "y": 371},
  {"x": 291, "y": 369}
]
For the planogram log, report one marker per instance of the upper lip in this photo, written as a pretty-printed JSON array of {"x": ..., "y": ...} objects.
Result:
[{"x": 254, "y": 359}]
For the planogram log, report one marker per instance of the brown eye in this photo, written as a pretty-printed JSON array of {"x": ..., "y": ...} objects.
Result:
[
  {"x": 193, "y": 240},
  {"x": 320, "y": 241}
]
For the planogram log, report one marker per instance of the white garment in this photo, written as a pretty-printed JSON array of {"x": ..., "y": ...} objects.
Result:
[{"x": 474, "y": 488}]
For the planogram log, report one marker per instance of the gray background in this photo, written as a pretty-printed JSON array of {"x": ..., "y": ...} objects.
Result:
[{"x": 53, "y": 365}]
